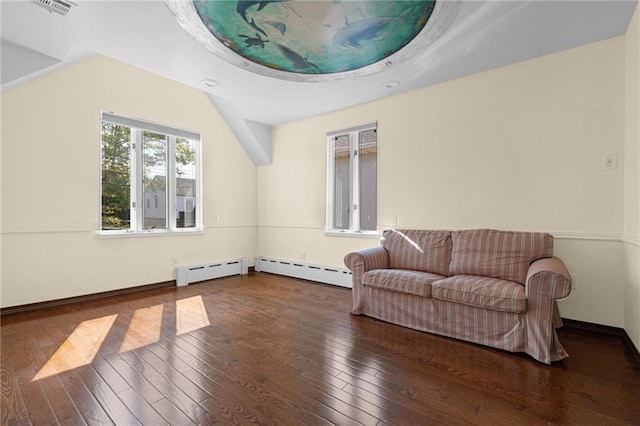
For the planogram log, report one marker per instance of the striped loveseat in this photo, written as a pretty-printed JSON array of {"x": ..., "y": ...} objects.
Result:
[{"x": 495, "y": 288}]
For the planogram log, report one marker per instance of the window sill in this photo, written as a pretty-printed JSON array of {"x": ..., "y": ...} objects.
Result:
[
  {"x": 138, "y": 234},
  {"x": 360, "y": 234}
]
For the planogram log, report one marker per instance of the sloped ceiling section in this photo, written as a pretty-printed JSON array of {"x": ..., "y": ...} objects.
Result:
[
  {"x": 18, "y": 61},
  {"x": 254, "y": 137}
]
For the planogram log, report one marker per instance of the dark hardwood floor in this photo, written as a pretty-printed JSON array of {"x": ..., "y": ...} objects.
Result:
[{"x": 264, "y": 349}]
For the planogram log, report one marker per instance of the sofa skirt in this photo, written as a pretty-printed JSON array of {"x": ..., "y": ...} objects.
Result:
[{"x": 496, "y": 329}]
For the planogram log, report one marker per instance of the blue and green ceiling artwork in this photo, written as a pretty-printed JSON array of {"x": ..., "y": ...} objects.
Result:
[{"x": 320, "y": 38}]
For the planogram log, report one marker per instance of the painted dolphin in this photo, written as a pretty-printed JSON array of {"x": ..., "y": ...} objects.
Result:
[
  {"x": 296, "y": 59},
  {"x": 353, "y": 33},
  {"x": 256, "y": 27},
  {"x": 242, "y": 6}
]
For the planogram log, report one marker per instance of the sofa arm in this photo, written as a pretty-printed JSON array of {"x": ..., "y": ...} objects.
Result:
[
  {"x": 360, "y": 262},
  {"x": 367, "y": 259},
  {"x": 548, "y": 280}
]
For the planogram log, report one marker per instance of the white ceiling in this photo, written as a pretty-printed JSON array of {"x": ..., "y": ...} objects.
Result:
[{"x": 485, "y": 35}]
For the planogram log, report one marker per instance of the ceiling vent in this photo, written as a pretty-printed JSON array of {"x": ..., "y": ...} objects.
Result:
[{"x": 57, "y": 6}]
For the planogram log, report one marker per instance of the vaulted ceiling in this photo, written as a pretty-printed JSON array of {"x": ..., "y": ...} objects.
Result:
[{"x": 146, "y": 34}]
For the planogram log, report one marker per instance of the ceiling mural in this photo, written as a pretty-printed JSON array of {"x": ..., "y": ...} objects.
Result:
[{"x": 313, "y": 40}]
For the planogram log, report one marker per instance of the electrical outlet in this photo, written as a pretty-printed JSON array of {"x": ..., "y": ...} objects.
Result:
[
  {"x": 609, "y": 161},
  {"x": 574, "y": 281},
  {"x": 303, "y": 256},
  {"x": 394, "y": 220}
]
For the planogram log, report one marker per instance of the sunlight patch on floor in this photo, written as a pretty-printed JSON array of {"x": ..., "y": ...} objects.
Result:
[
  {"x": 80, "y": 348},
  {"x": 191, "y": 315},
  {"x": 144, "y": 328}
]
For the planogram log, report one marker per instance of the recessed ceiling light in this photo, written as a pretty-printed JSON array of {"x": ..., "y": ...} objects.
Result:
[
  {"x": 391, "y": 84},
  {"x": 210, "y": 83}
]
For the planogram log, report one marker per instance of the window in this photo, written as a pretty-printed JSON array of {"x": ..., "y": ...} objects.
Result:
[
  {"x": 352, "y": 180},
  {"x": 150, "y": 177}
]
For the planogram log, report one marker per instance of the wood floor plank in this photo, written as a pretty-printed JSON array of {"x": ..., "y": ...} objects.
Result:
[
  {"x": 15, "y": 353},
  {"x": 12, "y": 406},
  {"x": 112, "y": 405},
  {"x": 134, "y": 379},
  {"x": 228, "y": 394},
  {"x": 74, "y": 421},
  {"x": 176, "y": 377},
  {"x": 226, "y": 405},
  {"x": 176, "y": 395},
  {"x": 60, "y": 401},
  {"x": 143, "y": 411},
  {"x": 169, "y": 358},
  {"x": 172, "y": 414},
  {"x": 265, "y": 349},
  {"x": 91, "y": 411},
  {"x": 308, "y": 411},
  {"x": 286, "y": 416},
  {"x": 36, "y": 402},
  {"x": 110, "y": 376}
]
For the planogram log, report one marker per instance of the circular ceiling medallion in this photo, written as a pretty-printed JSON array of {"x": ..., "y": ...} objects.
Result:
[{"x": 315, "y": 40}]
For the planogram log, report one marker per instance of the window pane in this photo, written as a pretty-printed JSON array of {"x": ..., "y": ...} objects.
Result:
[
  {"x": 368, "y": 150},
  {"x": 154, "y": 180},
  {"x": 186, "y": 183},
  {"x": 149, "y": 178},
  {"x": 341, "y": 190},
  {"x": 116, "y": 177}
]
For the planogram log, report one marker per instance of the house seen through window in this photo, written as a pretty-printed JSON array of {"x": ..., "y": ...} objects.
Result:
[
  {"x": 352, "y": 180},
  {"x": 150, "y": 176}
]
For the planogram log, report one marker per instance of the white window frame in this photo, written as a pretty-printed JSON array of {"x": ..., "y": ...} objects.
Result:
[
  {"x": 354, "y": 183},
  {"x": 137, "y": 128}
]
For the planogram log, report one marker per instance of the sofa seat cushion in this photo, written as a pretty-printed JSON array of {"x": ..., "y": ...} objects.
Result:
[
  {"x": 498, "y": 254},
  {"x": 415, "y": 250},
  {"x": 402, "y": 281},
  {"x": 485, "y": 292}
]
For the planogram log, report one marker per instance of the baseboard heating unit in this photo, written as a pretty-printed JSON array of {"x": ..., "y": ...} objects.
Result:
[
  {"x": 209, "y": 271},
  {"x": 305, "y": 271}
]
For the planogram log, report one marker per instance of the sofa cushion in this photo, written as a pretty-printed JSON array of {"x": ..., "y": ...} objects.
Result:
[
  {"x": 426, "y": 251},
  {"x": 485, "y": 292},
  {"x": 498, "y": 254},
  {"x": 402, "y": 281}
]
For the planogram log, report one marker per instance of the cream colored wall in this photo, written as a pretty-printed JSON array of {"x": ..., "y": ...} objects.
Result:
[
  {"x": 1, "y": 287},
  {"x": 513, "y": 148},
  {"x": 632, "y": 180},
  {"x": 51, "y": 184}
]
